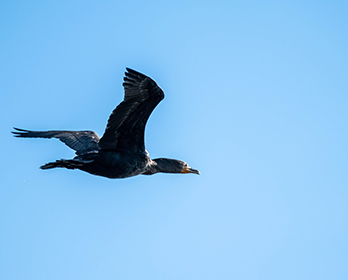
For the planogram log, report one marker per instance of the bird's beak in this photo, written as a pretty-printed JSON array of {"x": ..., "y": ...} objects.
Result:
[{"x": 190, "y": 170}]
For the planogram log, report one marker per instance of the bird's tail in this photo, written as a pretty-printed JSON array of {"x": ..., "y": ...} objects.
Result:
[{"x": 64, "y": 163}]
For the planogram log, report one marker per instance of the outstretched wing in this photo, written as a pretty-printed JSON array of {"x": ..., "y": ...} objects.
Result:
[
  {"x": 126, "y": 124},
  {"x": 80, "y": 141}
]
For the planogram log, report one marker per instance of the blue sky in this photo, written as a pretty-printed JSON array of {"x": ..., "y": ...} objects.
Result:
[{"x": 256, "y": 99}]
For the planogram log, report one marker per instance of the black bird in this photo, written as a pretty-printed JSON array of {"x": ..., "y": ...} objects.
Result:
[{"x": 120, "y": 152}]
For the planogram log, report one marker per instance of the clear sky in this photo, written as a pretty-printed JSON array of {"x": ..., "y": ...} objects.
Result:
[{"x": 256, "y": 99}]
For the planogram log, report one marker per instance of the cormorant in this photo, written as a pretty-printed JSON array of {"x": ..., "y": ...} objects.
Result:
[{"x": 120, "y": 152}]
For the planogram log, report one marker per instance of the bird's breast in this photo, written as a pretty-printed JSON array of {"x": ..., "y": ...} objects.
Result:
[{"x": 118, "y": 165}]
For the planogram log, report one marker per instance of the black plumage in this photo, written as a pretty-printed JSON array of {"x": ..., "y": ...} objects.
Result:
[{"x": 120, "y": 152}]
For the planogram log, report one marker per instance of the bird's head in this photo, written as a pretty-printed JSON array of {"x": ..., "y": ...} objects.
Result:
[
  {"x": 166, "y": 165},
  {"x": 187, "y": 169}
]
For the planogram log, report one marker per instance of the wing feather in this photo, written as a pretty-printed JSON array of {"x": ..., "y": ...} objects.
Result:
[
  {"x": 126, "y": 124},
  {"x": 80, "y": 141}
]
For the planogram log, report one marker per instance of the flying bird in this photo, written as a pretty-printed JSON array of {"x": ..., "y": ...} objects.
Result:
[{"x": 120, "y": 152}]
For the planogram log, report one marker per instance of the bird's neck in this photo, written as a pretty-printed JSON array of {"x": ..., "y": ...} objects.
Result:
[{"x": 163, "y": 165}]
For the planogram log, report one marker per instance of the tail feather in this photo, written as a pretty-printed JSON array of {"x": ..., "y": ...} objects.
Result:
[{"x": 64, "y": 163}]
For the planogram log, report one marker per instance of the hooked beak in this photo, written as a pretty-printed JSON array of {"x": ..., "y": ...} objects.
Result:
[{"x": 190, "y": 170}]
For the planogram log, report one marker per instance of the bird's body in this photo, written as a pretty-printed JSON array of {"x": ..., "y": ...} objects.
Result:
[
  {"x": 115, "y": 165},
  {"x": 120, "y": 152}
]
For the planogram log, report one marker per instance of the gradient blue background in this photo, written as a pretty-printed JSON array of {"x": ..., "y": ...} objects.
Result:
[{"x": 256, "y": 99}]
